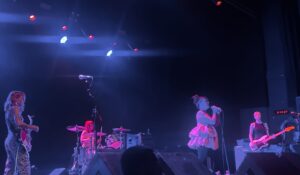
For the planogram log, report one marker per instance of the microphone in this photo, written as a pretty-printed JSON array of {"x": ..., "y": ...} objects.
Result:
[
  {"x": 85, "y": 77},
  {"x": 218, "y": 109}
]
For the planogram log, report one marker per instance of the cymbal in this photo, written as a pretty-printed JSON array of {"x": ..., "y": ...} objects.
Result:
[
  {"x": 75, "y": 128},
  {"x": 121, "y": 129}
]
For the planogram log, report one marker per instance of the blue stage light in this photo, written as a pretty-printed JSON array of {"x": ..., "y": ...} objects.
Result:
[
  {"x": 109, "y": 53},
  {"x": 63, "y": 40}
]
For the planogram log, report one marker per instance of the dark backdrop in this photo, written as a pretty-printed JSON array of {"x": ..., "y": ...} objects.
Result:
[{"x": 216, "y": 52}]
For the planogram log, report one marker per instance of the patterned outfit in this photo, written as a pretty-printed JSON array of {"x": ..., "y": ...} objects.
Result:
[{"x": 17, "y": 162}]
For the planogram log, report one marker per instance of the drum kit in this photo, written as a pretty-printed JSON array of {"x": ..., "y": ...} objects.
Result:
[
  {"x": 119, "y": 139},
  {"x": 88, "y": 144}
]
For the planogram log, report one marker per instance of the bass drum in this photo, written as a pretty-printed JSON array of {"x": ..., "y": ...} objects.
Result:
[{"x": 113, "y": 141}]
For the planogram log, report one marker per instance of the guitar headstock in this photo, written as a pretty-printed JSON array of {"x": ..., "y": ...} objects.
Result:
[
  {"x": 30, "y": 119},
  {"x": 287, "y": 129}
]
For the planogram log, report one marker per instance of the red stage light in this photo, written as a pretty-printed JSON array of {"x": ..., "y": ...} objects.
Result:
[
  {"x": 91, "y": 37},
  {"x": 32, "y": 18},
  {"x": 64, "y": 28},
  {"x": 218, "y": 3}
]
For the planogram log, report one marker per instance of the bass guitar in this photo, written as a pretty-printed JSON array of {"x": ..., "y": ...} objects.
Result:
[
  {"x": 25, "y": 135},
  {"x": 262, "y": 142}
]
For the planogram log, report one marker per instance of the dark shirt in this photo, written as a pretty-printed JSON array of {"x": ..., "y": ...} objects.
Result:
[{"x": 259, "y": 130}]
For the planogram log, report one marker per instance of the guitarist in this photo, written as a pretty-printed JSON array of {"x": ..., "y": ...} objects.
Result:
[
  {"x": 17, "y": 161},
  {"x": 257, "y": 128}
]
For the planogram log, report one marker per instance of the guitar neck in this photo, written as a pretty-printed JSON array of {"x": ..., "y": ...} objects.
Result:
[{"x": 277, "y": 134}]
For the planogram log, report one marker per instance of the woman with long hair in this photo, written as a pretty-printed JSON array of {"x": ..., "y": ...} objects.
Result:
[{"x": 17, "y": 161}]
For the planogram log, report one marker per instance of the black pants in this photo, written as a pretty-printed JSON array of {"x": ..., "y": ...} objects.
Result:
[
  {"x": 215, "y": 155},
  {"x": 202, "y": 154}
]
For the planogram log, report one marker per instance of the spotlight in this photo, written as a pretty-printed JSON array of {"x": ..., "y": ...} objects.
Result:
[
  {"x": 135, "y": 49},
  {"x": 91, "y": 37},
  {"x": 63, "y": 40},
  {"x": 64, "y": 28},
  {"x": 217, "y": 2},
  {"x": 109, "y": 53},
  {"x": 32, "y": 18}
]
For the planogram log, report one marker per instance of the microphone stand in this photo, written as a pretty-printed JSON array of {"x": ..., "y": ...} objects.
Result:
[
  {"x": 224, "y": 150},
  {"x": 94, "y": 111}
]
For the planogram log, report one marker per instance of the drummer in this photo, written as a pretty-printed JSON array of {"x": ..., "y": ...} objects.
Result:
[{"x": 87, "y": 137}]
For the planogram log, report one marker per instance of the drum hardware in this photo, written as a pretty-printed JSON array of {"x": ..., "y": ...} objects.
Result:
[
  {"x": 121, "y": 129},
  {"x": 100, "y": 134},
  {"x": 118, "y": 140},
  {"x": 82, "y": 155},
  {"x": 75, "y": 128},
  {"x": 114, "y": 141},
  {"x": 76, "y": 164},
  {"x": 122, "y": 136},
  {"x": 91, "y": 141}
]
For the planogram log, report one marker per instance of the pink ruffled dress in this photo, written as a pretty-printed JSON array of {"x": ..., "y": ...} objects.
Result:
[{"x": 204, "y": 134}]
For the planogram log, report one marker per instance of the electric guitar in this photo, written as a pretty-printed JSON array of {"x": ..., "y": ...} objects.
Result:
[
  {"x": 262, "y": 142},
  {"x": 25, "y": 135}
]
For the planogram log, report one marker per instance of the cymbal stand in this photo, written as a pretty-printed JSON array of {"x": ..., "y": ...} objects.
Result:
[
  {"x": 122, "y": 139},
  {"x": 75, "y": 167}
]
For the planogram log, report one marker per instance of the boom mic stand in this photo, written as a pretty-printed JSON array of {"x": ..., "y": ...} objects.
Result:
[
  {"x": 224, "y": 150},
  {"x": 95, "y": 113}
]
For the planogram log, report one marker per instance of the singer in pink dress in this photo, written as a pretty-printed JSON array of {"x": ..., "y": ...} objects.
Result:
[{"x": 204, "y": 135}]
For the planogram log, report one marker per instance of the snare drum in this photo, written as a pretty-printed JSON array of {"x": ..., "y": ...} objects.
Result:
[{"x": 113, "y": 141}]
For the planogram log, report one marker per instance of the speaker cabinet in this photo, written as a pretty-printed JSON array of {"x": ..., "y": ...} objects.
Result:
[
  {"x": 270, "y": 163},
  {"x": 105, "y": 163},
  {"x": 181, "y": 163},
  {"x": 172, "y": 163}
]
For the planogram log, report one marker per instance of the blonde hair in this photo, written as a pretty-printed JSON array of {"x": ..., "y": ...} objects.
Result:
[{"x": 11, "y": 100}]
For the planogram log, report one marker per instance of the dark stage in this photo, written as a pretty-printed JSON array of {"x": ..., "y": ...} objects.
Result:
[{"x": 147, "y": 60}]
